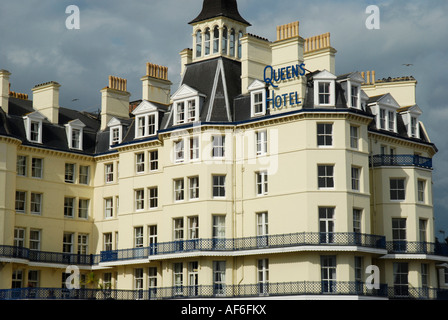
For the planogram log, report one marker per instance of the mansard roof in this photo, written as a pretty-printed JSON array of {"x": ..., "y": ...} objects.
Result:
[{"x": 219, "y": 8}]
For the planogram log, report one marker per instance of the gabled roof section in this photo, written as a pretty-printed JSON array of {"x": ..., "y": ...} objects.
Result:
[
  {"x": 412, "y": 109},
  {"x": 324, "y": 75},
  {"x": 76, "y": 123},
  {"x": 219, "y": 8},
  {"x": 184, "y": 92},
  {"x": 352, "y": 76},
  {"x": 35, "y": 115},
  {"x": 385, "y": 99},
  {"x": 146, "y": 106},
  {"x": 257, "y": 85}
]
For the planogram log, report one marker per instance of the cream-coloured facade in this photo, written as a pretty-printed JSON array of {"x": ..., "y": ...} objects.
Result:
[{"x": 217, "y": 188}]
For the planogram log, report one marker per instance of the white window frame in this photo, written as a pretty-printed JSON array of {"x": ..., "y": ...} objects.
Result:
[
  {"x": 108, "y": 207},
  {"x": 22, "y": 163},
  {"x": 261, "y": 142},
  {"x": 190, "y": 106},
  {"x": 331, "y": 93},
  {"x": 75, "y": 142},
  {"x": 219, "y": 187},
  {"x": 354, "y": 137},
  {"x": 219, "y": 146},
  {"x": 149, "y": 125},
  {"x": 84, "y": 175},
  {"x": 116, "y": 138},
  {"x": 193, "y": 187},
  {"x": 325, "y": 176},
  {"x": 69, "y": 207},
  {"x": 194, "y": 148},
  {"x": 356, "y": 178},
  {"x": 83, "y": 208},
  {"x": 37, "y": 169},
  {"x": 421, "y": 191},
  {"x": 153, "y": 161},
  {"x": 36, "y": 203},
  {"x": 325, "y": 135},
  {"x": 179, "y": 151},
  {"x": 34, "y": 118},
  {"x": 261, "y": 183},
  {"x": 153, "y": 197},
  {"x": 109, "y": 172},
  {"x": 21, "y": 201},
  {"x": 397, "y": 190},
  {"x": 67, "y": 173},
  {"x": 179, "y": 189},
  {"x": 139, "y": 199},
  {"x": 140, "y": 162}
]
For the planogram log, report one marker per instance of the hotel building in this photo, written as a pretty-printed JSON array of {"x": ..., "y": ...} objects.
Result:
[{"x": 264, "y": 174}]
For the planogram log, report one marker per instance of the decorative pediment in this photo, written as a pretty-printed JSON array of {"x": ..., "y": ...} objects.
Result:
[
  {"x": 184, "y": 92},
  {"x": 257, "y": 85},
  {"x": 324, "y": 75},
  {"x": 144, "y": 107},
  {"x": 388, "y": 100},
  {"x": 114, "y": 122},
  {"x": 415, "y": 110},
  {"x": 36, "y": 115},
  {"x": 76, "y": 123},
  {"x": 356, "y": 77}
]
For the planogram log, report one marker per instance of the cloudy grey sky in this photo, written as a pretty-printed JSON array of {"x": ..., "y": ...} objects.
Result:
[{"x": 119, "y": 37}]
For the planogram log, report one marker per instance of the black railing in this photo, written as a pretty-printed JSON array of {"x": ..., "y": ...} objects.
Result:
[
  {"x": 201, "y": 291},
  {"x": 248, "y": 243},
  {"x": 380, "y": 160},
  {"x": 48, "y": 257},
  {"x": 407, "y": 292},
  {"x": 416, "y": 247}
]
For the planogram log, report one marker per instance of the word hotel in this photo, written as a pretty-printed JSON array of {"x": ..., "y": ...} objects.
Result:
[{"x": 204, "y": 191}]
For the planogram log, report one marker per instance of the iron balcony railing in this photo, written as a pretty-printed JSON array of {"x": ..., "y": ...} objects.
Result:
[
  {"x": 248, "y": 243},
  {"x": 48, "y": 257},
  {"x": 220, "y": 291},
  {"x": 417, "y": 247},
  {"x": 380, "y": 160},
  {"x": 407, "y": 292}
]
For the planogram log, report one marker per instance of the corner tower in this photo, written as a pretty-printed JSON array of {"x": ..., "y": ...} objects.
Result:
[{"x": 217, "y": 30}]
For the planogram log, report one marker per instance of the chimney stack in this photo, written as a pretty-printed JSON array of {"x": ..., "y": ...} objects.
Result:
[
  {"x": 156, "y": 86},
  {"x": 114, "y": 100},
  {"x": 186, "y": 57},
  {"x": 4, "y": 90},
  {"x": 46, "y": 100}
]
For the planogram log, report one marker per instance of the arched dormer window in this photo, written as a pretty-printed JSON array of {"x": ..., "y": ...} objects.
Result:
[
  {"x": 240, "y": 35},
  {"x": 216, "y": 39},
  {"x": 198, "y": 43},
  {"x": 232, "y": 43},
  {"x": 225, "y": 38},
  {"x": 207, "y": 42}
]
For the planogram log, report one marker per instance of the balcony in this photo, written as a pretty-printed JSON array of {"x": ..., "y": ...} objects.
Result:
[
  {"x": 265, "y": 290},
  {"x": 381, "y": 160},
  {"x": 238, "y": 245},
  {"x": 47, "y": 257},
  {"x": 417, "y": 247}
]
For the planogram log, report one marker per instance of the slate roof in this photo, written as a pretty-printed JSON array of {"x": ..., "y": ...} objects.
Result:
[{"x": 219, "y": 8}]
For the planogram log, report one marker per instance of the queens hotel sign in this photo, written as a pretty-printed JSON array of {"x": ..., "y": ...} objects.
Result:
[{"x": 274, "y": 77}]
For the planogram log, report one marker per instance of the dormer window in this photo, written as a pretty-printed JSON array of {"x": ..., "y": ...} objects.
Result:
[
  {"x": 410, "y": 116},
  {"x": 257, "y": 98},
  {"x": 385, "y": 109},
  {"x": 74, "y": 131},
  {"x": 324, "y": 89},
  {"x": 33, "y": 126},
  {"x": 186, "y": 103},
  {"x": 355, "y": 96},
  {"x": 146, "y": 120},
  {"x": 414, "y": 127},
  {"x": 115, "y": 131}
]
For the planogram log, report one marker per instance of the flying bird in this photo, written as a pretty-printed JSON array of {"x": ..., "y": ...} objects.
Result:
[
  {"x": 407, "y": 64},
  {"x": 75, "y": 100}
]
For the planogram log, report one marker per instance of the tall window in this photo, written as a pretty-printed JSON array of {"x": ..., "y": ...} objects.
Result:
[
  {"x": 193, "y": 185},
  {"x": 21, "y": 165},
  {"x": 178, "y": 229},
  {"x": 207, "y": 42},
  {"x": 263, "y": 276},
  {"x": 76, "y": 138},
  {"x": 67, "y": 242},
  {"x": 262, "y": 224},
  {"x": 422, "y": 226},
  {"x": 218, "y": 143},
  {"x": 180, "y": 112},
  {"x": 19, "y": 237},
  {"x": 36, "y": 167},
  {"x": 83, "y": 244},
  {"x": 35, "y": 129},
  {"x": 194, "y": 148},
  {"x": 84, "y": 174},
  {"x": 326, "y": 224},
  {"x": 193, "y": 227},
  {"x": 138, "y": 280},
  {"x": 193, "y": 278},
  {"x": 108, "y": 208},
  {"x": 36, "y": 203},
  {"x": 20, "y": 205},
  {"x": 324, "y": 134},
  {"x": 354, "y": 137},
  {"x": 153, "y": 197},
  {"x": 109, "y": 172},
  {"x": 356, "y": 172},
  {"x": 325, "y": 176},
  {"x": 421, "y": 184},
  {"x": 152, "y": 279},
  {"x": 139, "y": 199},
  {"x": 116, "y": 135},
  {"x": 397, "y": 189},
  {"x": 107, "y": 241},
  {"x": 232, "y": 43},
  {"x": 240, "y": 52},
  {"x": 262, "y": 182},
  {"x": 261, "y": 142},
  {"x": 69, "y": 207},
  {"x": 152, "y": 235},
  {"x": 35, "y": 236},
  {"x": 146, "y": 125},
  {"x": 219, "y": 277},
  {"x": 154, "y": 160},
  {"x": 179, "y": 189},
  {"x": 357, "y": 214},
  {"x": 216, "y": 39},
  {"x": 324, "y": 92},
  {"x": 178, "y": 278},
  {"x": 219, "y": 227},
  {"x": 382, "y": 119},
  {"x": 401, "y": 283},
  {"x": 69, "y": 172},
  {"x": 138, "y": 237},
  {"x": 399, "y": 234},
  {"x": 359, "y": 271},
  {"x": 414, "y": 127},
  {"x": 391, "y": 121},
  {"x": 219, "y": 186},
  {"x": 225, "y": 37},
  {"x": 198, "y": 43},
  {"x": 192, "y": 114},
  {"x": 328, "y": 273},
  {"x": 17, "y": 279},
  {"x": 258, "y": 103},
  {"x": 179, "y": 150},
  {"x": 355, "y": 91},
  {"x": 140, "y": 162}
]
